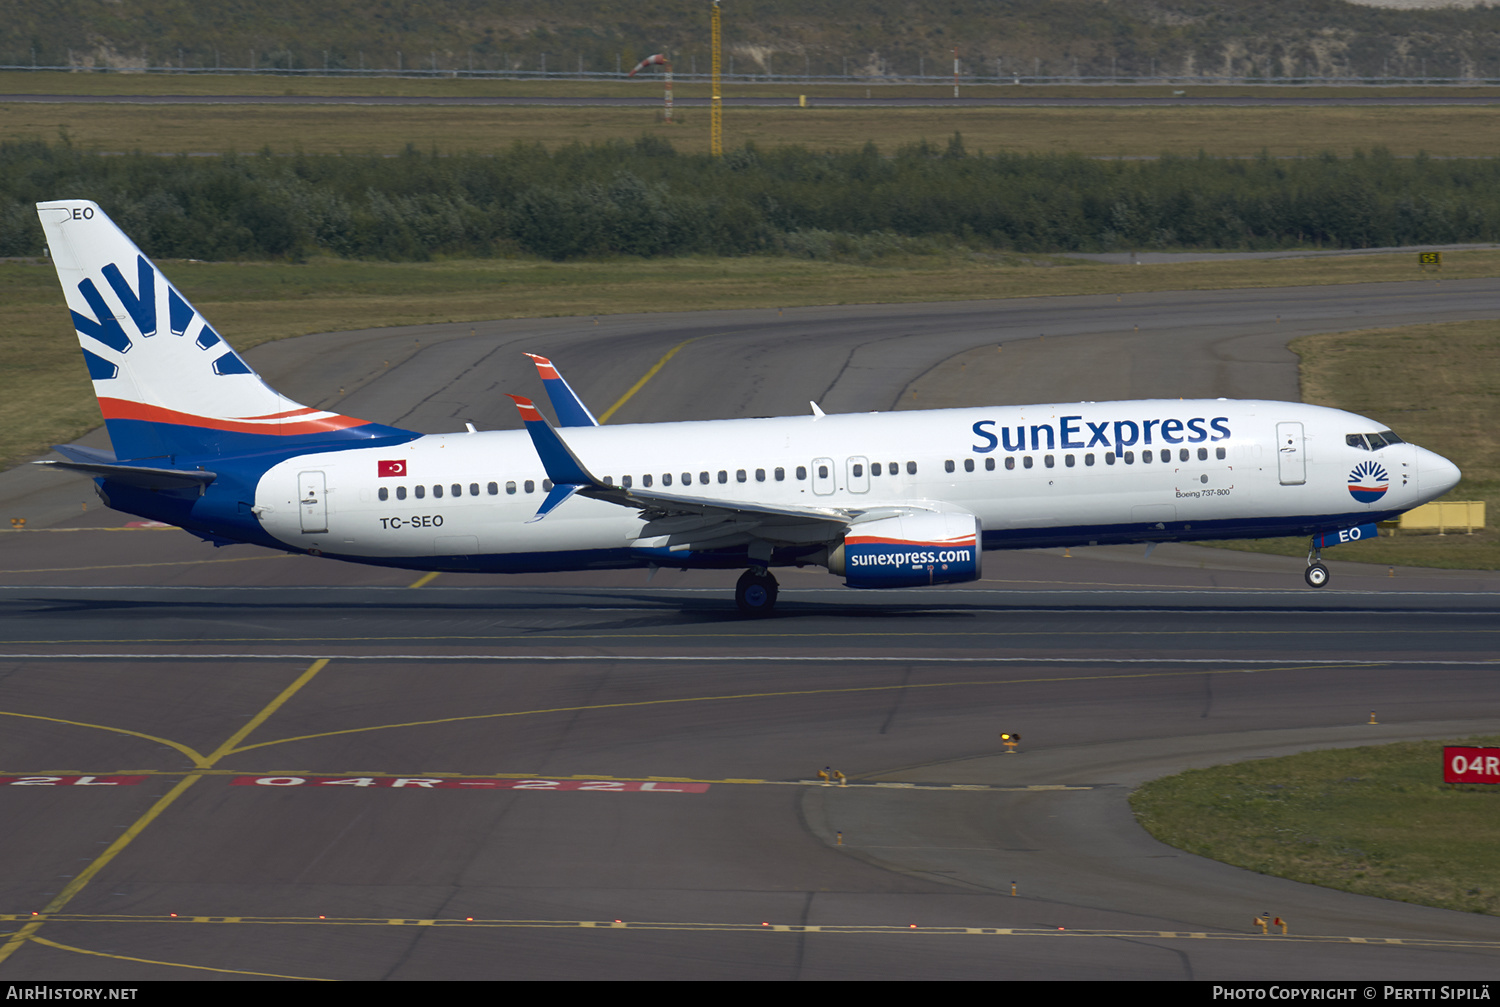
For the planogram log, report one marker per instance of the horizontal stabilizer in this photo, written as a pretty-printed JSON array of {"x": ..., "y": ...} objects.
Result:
[
  {"x": 141, "y": 476},
  {"x": 79, "y": 453}
]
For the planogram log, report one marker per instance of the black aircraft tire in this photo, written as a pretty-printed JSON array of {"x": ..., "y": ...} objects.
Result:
[
  {"x": 755, "y": 594},
  {"x": 1317, "y": 575}
]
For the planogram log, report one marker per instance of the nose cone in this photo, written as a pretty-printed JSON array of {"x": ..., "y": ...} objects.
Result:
[{"x": 1436, "y": 475}]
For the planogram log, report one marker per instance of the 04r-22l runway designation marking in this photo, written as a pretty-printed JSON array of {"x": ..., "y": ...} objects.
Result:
[{"x": 439, "y": 783}]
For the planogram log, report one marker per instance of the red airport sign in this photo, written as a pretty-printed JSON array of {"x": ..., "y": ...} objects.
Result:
[{"x": 1471, "y": 765}]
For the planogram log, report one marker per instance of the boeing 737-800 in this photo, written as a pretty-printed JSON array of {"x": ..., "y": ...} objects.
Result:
[{"x": 883, "y": 500}]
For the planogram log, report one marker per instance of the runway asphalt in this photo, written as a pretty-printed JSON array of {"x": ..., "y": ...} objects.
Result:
[
  {"x": 851, "y": 100},
  {"x": 327, "y": 772}
]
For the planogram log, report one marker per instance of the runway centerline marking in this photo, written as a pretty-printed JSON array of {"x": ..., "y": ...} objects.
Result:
[
  {"x": 77, "y": 883},
  {"x": 757, "y": 927}
]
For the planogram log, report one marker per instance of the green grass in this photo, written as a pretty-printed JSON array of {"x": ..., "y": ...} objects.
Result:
[
  {"x": 1375, "y": 821},
  {"x": 1445, "y": 396}
]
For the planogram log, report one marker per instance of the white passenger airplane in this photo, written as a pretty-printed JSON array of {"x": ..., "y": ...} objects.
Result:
[{"x": 881, "y": 499}]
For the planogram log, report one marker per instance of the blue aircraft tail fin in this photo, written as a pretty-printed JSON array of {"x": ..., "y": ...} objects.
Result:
[{"x": 168, "y": 384}]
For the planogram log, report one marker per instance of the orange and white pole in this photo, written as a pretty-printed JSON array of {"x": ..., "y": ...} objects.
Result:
[{"x": 660, "y": 60}]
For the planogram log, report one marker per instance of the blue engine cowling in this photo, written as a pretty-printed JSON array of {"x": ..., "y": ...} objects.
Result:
[{"x": 913, "y": 550}]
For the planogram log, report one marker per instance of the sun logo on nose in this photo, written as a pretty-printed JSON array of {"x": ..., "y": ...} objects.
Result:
[{"x": 1368, "y": 482}]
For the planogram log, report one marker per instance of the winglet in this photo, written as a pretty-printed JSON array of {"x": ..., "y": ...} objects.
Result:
[
  {"x": 571, "y": 412},
  {"x": 567, "y": 473}
]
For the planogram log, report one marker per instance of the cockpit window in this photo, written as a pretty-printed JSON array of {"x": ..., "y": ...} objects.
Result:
[{"x": 1372, "y": 442}]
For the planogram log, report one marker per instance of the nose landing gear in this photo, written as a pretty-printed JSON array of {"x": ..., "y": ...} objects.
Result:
[
  {"x": 755, "y": 593},
  {"x": 1317, "y": 573}
]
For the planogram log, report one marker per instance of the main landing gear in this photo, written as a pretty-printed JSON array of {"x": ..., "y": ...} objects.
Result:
[
  {"x": 1317, "y": 573},
  {"x": 755, "y": 593}
]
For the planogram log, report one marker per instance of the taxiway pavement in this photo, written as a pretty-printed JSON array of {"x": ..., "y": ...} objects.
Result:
[{"x": 326, "y": 772}]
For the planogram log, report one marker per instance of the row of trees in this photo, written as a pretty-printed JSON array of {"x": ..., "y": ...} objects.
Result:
[{"x": 646, "y": 199}]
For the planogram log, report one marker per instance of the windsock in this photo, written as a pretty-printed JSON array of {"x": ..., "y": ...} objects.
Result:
[{"x": 656, "y": 60}]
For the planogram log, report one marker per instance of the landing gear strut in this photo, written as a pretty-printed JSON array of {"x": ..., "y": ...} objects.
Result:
[
  {"x": 755, "y": 593},
  {"x": 1317, "y": 573}
]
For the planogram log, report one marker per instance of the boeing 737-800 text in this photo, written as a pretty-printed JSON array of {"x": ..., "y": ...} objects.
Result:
[{"x": 883, "y": 500}]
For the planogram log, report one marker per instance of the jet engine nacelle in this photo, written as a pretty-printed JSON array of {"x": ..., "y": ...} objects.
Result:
[{"x": 912, "y": 550}]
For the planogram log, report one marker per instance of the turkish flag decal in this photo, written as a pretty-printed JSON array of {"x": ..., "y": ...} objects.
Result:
[{"x": 393, "y": 468}]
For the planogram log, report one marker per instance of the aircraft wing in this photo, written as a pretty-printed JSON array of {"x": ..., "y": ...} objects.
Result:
[{"x": 682, "y": 515}]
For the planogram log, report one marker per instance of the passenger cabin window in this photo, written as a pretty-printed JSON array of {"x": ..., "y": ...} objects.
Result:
[
  {"x": 546, "y": 485},
  {"x": 400, "y": 492},
  {"x": 859, "y": 471},
  {"x": 1130, "y": 458},
  {"x": 437, "y": 491},
  {"x": 874, "y": 468},
  {"x": 1068, "y": 460},
  {"x": 646, "y": 480},
  {"x": 948, "y": 465},
  {"x": 801, "y": 472},
  {"x": 420, "y": 491},
  {"x": 989, "y": 464},
  {"x": 1203, "y": 454},
  {"x": 1088, "y": 459},
  {"x": 780, "y": 475},
  {"x": 666, "y": 478},
  {"x": 1220, "y": 454},
  {"x": 530, "y": 485},
  {"x": 625, "y": 481},
  {"x": 760, "y": 475},
  {"x": 1010, "y": 462},
  {"x": 493, "y": 489},
  {"x": 703, "y": 478},
  {"x": 911, "y": 468},
  {"x": 1026, "y": 462},
  {"x": 1182, "y": 454},
  {"x": 739, "y": 475},
  {"x": 384, "y": 493},
  {"x": 1166, "y": 455},
  {"x": 1109, "y": 457},
  {"x": 510, "y": 487},
  {"x": 687, "y": 479},
  {"x": 968, "y": 465},
  {"x": 473, "y": 489},
  {"x": 458, "y": 489},
  {"x": 1050, "y": 461},
  {"x": 723, "y": 477}
]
